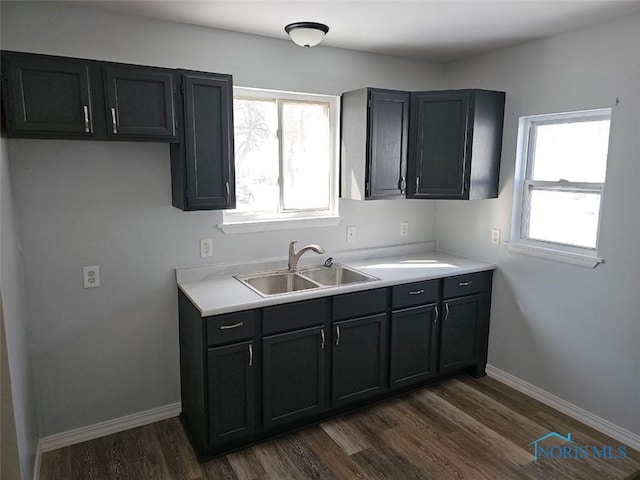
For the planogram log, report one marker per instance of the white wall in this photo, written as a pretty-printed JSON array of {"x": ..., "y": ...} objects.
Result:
[
  {"x": 568, "y": 330},
  {"x": 107, "y": 352},
  {"x": 15, "y": 317}
]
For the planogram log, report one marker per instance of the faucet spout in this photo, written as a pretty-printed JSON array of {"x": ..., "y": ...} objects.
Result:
[{"x": 295, "y": 256}]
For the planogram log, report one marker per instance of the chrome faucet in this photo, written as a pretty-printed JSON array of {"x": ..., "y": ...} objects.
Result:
[{"x": 295, "y": 256}]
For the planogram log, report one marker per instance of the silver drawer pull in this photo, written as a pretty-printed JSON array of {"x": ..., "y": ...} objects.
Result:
[
  {"x": 446, "y": 310},
  {"x": 416, "y": 292},
  {"x": 322, "y": 335},
  {"x": 435, "y": 316},
  {"x": 337, "y": 335},
  {"x": 465, "y": 284},
  {"x": 114, "y": 120},
  {"x": 251, "y": 355},
  {"x": 235, "y": 325},
  {"x": 85, "y": 111}
]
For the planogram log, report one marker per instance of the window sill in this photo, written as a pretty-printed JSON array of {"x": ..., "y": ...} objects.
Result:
[
  {"x": 570, "y": 258},
  {"x": 233, "y": 228}
]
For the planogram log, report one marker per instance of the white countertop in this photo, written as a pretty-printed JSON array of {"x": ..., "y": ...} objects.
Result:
[{"x": 213, "y": 290}]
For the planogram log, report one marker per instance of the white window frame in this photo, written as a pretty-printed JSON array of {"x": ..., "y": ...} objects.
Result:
[
  {"x": 241, "y": 222},
  {"x": 519, "y": 241}
]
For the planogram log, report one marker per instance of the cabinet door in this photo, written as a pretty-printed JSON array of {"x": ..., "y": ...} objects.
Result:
[
  {"x": 48, "y": 95},
  {"x": 439, "y": 162},
  {"x": 208, "y": 139},
  {"x": 387, "y": 144},
  {"x": 413, "y": 345},
  {"x": 140, "y": 102},
  {"x": 231, "y": 392},
  {"x": 359, "y": 359},
  {"x": 459, "y": 332},
  {"x": 293, "y": 375}
]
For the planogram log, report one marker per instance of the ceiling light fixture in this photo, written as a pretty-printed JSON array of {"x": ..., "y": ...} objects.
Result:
[{"x": 306, "y": 34}]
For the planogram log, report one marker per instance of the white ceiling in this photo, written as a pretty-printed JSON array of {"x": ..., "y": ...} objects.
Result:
[{"x": 434, "y": 30}]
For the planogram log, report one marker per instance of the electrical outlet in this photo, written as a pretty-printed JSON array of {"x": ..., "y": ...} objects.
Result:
[
  {"x": 495, "y": 236},
  {"x": 404, "y": 229},
  {"x": 91, "y": 276},
  {"x": 206, "y": 248},
  {"x": 351, "y": 234}
]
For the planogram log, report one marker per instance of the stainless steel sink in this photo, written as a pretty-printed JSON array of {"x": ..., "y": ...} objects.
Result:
[
  {"x": 336, "y": 275},
  {"x": 278, "y": 283},
  {"x": 283, "y": 282}
]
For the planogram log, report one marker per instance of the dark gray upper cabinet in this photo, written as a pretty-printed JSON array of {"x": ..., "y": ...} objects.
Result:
[
  {"x": 140, "y": 102},
  {"x": 375, "y": 132},
  {"x": 455, "y": 144},
  {"x": 202, "y": 163},
  {"x": 71, "y": 98},
  {"x": 45, "y": 95}
]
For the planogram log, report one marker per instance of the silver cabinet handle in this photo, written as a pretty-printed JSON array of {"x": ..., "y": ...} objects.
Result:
[
  {"x": 446, "y": 310},
  {"x": 85, "y": 111},
  {"x": 417, "y": 184},
  {"x": 251, "y": 355},
  {"x": 235, "y": 325},
  {"x": 226, "y": 186},
  {"x": 464, "y": 284},
  {"x": 435, "y": 316},
  {"x": 322, "y": 335},
  {"x": 403, "y": 184},
  {"x": 337, "y": 335},
  {"x": 417, "y": 292},
  {"x": 114, "y": 120}
]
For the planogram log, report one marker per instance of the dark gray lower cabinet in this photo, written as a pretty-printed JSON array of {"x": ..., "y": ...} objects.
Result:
[
  {"x": 231, "y": 392},
  {"x": 359, "y": 359},
  {"x": 413, "y": 345},
  {"x": 247, "y": 376},
  {"x": 293, "y": 384},
  {"x": 459, "y": 332}
]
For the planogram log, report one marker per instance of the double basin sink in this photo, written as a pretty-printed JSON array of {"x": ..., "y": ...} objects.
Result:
[{"x": 282, "y": 282}]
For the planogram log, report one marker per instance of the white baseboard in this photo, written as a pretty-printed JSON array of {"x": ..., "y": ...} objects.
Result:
[
  {"x": 38, "y": 462},
  {"x": 78, "y": 435},
  {"x": 588, "y": 418}
]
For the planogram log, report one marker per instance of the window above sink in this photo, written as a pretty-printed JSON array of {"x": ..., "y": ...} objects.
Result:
[{"x": 286, "y": 160}]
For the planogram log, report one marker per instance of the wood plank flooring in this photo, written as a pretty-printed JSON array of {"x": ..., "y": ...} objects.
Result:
[{"x": 461, "y": 429}]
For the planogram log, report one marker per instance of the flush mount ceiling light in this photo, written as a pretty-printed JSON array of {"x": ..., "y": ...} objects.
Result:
[{"x": 306, "y": 34}]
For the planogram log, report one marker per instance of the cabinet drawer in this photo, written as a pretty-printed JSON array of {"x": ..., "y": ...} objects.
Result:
[
  {"x": 359, "y": 304},
  {"x": 463, "y": 285},
  {"x": 230, "y": 328},
  {"x": 281, "y": 318},
  {"x": 413, "y": 294}
]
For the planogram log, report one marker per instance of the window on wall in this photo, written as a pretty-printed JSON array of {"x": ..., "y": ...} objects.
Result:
[
  {"x": 560, "y": 181},
  {"x": 285, "y": 157}
]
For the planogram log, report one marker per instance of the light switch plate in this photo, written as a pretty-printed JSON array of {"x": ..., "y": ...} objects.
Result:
[
  {"x": 404, "y": 229},
  {"x": 351, "y": 234}
]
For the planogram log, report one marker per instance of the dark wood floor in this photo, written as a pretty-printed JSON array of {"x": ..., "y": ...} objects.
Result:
[{"x": 461, "y": 429}]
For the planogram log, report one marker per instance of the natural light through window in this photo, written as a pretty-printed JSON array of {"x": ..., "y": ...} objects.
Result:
[
  {"x": 563, "y": 161},
  {"x": 285, "y": 157}
]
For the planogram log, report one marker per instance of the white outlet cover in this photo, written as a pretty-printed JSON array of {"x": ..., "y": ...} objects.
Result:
[
  {"x": 91, "y": 276},
  {"x": 206, "y": 248},
  {"x": 495, "y": 236},
  {"x": 404, "y": 229}
]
